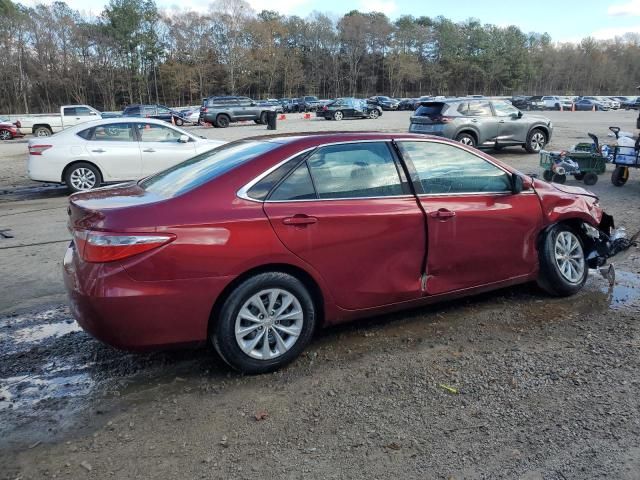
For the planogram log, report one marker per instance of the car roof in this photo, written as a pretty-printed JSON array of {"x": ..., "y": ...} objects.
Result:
[
  {"x": 311, "y": 139},
  {"x": 110, "y": 121}
]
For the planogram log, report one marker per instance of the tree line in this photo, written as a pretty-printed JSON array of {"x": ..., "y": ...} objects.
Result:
[{"x": 134, "y": 53}]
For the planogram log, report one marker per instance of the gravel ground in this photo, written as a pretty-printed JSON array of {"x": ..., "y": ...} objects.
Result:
[{"x": 511, "y": 384}]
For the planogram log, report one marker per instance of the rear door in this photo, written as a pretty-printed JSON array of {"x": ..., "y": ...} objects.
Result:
[
  {"x": 347, "y": 211},
  {"x": 114, "y": 149},
  {"x": 160, "y": 147},
  {"x": 479, "y": 231}
]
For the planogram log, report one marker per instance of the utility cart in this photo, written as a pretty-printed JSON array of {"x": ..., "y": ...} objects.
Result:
[
  {"x": 585, "y": 161},
  {"x": 625, "y": 156}
]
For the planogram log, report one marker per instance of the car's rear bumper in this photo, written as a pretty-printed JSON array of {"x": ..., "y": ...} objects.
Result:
[{"x": 137, "y": 315}]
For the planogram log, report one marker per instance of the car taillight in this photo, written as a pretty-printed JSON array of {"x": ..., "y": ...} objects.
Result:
[
  {"x": 441, "y": 119},
  {"x": 38, "y": 149},
  {"x": 99, "y": 247},
  {"x": 204, "y": 109}
]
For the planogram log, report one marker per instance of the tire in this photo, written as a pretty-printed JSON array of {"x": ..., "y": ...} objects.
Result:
[
  {"x": 222, "y": 121},
  {"x": 263, "y": 118},
  {"x": 247, "y": 358},
  {"x": 42, "y": 132},
  {"x": 82, "y": 176},
  {"x": 563, "y": 268},
  {"x": 5, "y": 135},
  {"x": 557, "y": 178},
  {"x": 590, "y": 178},
  {"x": 619, "y": 176},
  {"x": 338, "y": 115},
  {"x": 466, "y": 139},
  {"x": 374, "y": 114},
  {"x": 178, "y": 121},
  {"x": 547, "y": 175},
  {"x": 579, "y": 176},
  {"x": 536, "y": 141}
]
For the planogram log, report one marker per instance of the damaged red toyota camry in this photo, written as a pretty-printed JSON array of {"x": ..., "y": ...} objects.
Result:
[{"x": 256, "y": 244}]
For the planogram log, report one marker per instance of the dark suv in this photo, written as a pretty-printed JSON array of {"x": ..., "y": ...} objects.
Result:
[
  {"x": 482, "y": 123},
  {"x": 159, "y": 112},
  {"x": 221, "y": 111},
  {"x": 308, "y": 104},
  {"x": 385, "y": 103}
]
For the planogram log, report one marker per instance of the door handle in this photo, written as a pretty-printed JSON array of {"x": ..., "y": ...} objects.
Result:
[
  {"x": 149, "y": 150},
  {"x": 474, "y": 120},
  {"x": 99, "y": 150},
  {"x": 299, "y": 220},
  {"x": 442, "y": 214}
]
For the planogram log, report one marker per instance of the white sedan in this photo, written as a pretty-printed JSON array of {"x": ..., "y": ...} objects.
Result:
[{"x": 111, "y": 150}]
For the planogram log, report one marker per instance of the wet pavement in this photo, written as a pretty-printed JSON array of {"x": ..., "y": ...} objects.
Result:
[{"x": 53, "y": 376}]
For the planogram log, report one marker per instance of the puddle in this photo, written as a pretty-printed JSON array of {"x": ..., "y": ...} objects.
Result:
[
  {"x": 37, "y": 334},
  {"x": 625, "y": 294}
]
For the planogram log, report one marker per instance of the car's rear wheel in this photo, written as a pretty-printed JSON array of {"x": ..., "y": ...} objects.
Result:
[
  {"x": 563, "y": 269},
  {"x": 5, "y": 135},
  {"x": 178, "y": 121},
  {"x": 82, "y": 176},
  {"x": 265, "y": 323},
  {"x": 619, "y": 176},
  {"x": 222, "y": 121},
  {"x": 42, "y": 132},
  {"x": 338, "y": 115},
  {"x": 374, "y": 113},
  {"x": 466, "y": 139},
  {"x": 536, "y": 141}
]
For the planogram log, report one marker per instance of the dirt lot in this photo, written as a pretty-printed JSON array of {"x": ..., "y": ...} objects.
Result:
[{"x": 511, "y": 384}]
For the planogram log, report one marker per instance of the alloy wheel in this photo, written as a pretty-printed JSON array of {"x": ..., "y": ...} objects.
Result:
[
  {"x": 83, "y": 179},
  {"x": 5, "y": 135},
  {"x": 569, "y": 257},
  {"x": 269, "y": 324},
  {"x": 466, "y": 141},
  {"x": 537, "y": 141}
]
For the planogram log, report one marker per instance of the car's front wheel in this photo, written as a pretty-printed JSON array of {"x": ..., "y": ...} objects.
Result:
[
  {"x": 5, "y": 135},
  {"x": 82, "y": 176},
  {"x": 338, "y": 115},
  {"x": 536, "y": 141},
  {"x": 563, "y": 269},
  {"x": 374, "y": 113},
  {"x": 265, "y": 323}
]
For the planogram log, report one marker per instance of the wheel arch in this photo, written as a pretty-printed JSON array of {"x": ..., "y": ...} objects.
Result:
[
  {"x": 540, "y": 126},
  {"x": 575, "y": 223},
  {"x": 43, "y": 125},
  {"x": 470, "y": 131},
  {"x": 307, "y": 280},
  {"x": 75, "y": 162}
]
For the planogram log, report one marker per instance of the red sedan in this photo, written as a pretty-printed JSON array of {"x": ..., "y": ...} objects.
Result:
[
  {"x": 255, "y": 244},
  {"x": 9, "y": 129}
]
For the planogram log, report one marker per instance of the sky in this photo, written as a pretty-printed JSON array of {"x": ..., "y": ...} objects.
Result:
[{"x": 564, "y": 20}]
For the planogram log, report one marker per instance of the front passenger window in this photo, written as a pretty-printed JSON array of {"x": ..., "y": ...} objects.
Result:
[
  {"x": 448, "y": 169},
  {"x": 150, "y": 132}
]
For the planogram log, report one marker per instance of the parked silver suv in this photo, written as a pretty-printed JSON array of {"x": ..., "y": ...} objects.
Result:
[
  {"x": 221, "y": 111},
  {"x": 482, "y": 123}
]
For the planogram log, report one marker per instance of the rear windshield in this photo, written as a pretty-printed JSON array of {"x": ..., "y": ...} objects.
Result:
[
  {"x": 431, "y": 109},
  {"x": 204, "y": 167}
]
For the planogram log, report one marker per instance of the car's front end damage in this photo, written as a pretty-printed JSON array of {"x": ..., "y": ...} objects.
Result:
[{"x": 580, "y": 208}]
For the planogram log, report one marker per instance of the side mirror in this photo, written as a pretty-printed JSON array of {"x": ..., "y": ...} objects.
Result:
[
  {"x": 517, "y": 184},
  {"x": 253, "y": 104},
  {"x": 183, "y": 139}
]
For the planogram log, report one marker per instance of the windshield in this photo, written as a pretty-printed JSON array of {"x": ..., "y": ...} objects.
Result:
[
  {"x": 204, "y": 167},
  {"x": 384, "y": 99}
]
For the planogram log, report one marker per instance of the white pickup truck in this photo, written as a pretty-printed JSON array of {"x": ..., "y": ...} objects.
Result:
[{"x": 44, "y": 125}]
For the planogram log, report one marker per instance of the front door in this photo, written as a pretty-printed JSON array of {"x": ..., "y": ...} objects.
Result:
[
  {"x": 114, "y": 149},
  {"x": 160, "y": 147},
  {"x": 479, "y": 232},
  {"x": 512, "y": 128},
  {"x": 347, "y": 212}
]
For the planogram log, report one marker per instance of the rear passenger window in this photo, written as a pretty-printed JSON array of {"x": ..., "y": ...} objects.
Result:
[
  {"x": 297, "y": 186},
  {"x": 479, "y": 109},
  {"x": 444, "y": 169},
  {"x": 355, "y": 170}
]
